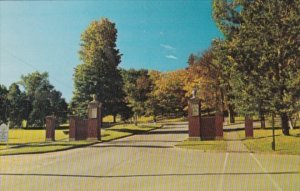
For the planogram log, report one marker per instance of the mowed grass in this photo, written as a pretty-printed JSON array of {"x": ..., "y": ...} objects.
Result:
[
  {"x": 262, "y": 140},
  {"x": 33, "y": 141},
  {"x": 207, "y": 145},
  {"x": 141, "y": 119},
  {"x": 124, "y": 130},
  {"x": 145, "y": 119}
]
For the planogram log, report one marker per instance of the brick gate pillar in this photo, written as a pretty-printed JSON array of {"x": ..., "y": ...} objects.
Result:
[
  {"x": 194, "y": 116},
  {"x": 248, "y": 126},
  {"x": 73, "y": 125},
  {"x": 219, "y": 125},
  {"x": 50, "y": 128},
  {"x": 94, "y": 120}
]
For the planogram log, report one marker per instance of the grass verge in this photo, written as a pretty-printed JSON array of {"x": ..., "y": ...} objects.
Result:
[
  {"x": 262, "y": 140},
  {"x": 33, "y": 141}
]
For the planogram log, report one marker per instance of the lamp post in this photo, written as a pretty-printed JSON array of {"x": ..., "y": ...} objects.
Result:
[{"x": 273, "y": 133}]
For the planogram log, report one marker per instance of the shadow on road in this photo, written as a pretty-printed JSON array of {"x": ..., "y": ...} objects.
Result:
[
  {"x": 147, "y": 141},
  {"x": 167, "y": 132},
  {"x": 131, "y": 146},
  {"x": 148, "y": 175}
]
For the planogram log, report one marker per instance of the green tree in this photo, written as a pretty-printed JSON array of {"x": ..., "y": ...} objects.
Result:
[
  {"x": 137, "y": 87},
  {"x": 266, "y": 56},
  {"x": 42, "y": 99},
  {"x": 226, "y": 14},
  {"x": 98, "y": 73},
  {"x": 58, "y": 105},
  {"x": 153, "y": 106},
  {"x": 40, "y": 105},
  {"x": 16, "y": 106},
  {"x": 3, "y": 104},
  {"x": 221, "y": 50},
  {"x": 31, "y": 82}
]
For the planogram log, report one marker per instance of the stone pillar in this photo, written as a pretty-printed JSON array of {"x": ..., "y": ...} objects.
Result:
[
  {"x": 94, "y": 120},
  {"x": 50, "y": 128},
  {"x": 194, "y": 116},
  {"x": 248, "y": 126},
  {"x": 73, "y": 125},
  {"x": 219, "y": 125}
]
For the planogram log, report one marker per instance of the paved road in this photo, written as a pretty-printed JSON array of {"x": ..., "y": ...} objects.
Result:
[{"x": 149, "y": 162}]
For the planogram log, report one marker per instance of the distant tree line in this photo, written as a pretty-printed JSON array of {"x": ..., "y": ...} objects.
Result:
[{"x": 27, "y": 102}]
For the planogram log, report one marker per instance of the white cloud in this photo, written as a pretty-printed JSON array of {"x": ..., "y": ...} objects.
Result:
[
  {"x": 171, "y": 57},
  {"x": 168, "y": 47}
]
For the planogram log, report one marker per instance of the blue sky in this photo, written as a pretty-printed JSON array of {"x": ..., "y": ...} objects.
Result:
[{"x": 45, "y": 35}]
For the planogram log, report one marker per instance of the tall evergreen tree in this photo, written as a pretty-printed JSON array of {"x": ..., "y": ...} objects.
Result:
[{"x": 98, "y": 73}]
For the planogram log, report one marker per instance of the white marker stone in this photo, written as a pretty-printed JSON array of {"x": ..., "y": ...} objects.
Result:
[{"x": 3, "y": 133}]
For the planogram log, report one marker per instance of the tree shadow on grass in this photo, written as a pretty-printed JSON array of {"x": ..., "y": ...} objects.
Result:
[
  {"x": 252, "y": 138},
  {"x": 162, "y": 132},
  {"x": 131, "y": 131},
  {"x": 45, "y": 144}
]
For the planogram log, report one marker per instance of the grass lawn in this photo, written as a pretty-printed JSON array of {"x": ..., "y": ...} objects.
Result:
[
  {"x": 33, "y": 141},
  {"x": 263, "y": 138},
  {"x": 178, "y": 119},
  {"x": 207, "y": 145},
  {"x": 145, "y": 119}
]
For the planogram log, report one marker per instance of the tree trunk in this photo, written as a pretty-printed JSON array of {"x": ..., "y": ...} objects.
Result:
[
  {"x": 285, "y": 124},
  {"x": 135, "y": 120},
  {"x": 115, "y": 116},
  {"x": 262, "y": 120},
  {"x": 231, "y": 114}
]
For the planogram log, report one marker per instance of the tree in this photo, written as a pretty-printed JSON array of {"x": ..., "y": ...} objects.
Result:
[
  {"x": 226, "y": 14},
  {"x": 220, "y": 49},
  {"x": 58, "y": 105},
  {"x": 3, "y": 104},
  {"x": 42, "y": 99},
  {"x": 228, "y": 17},
  {"x": 137, "y": 87},
  {"x": 16, "y": 106},
  {"x": 168, "y": 95},
  {"x": 31, "y": 82},
  {"x": 98, "y": 73},
  {"x": 152, "y": 105},
  {"x": 267, "y": 55},
  {"x": 204, "y": 75}
]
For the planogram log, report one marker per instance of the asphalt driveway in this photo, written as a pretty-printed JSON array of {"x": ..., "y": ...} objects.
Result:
[{"x": 149, "y": 162}]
